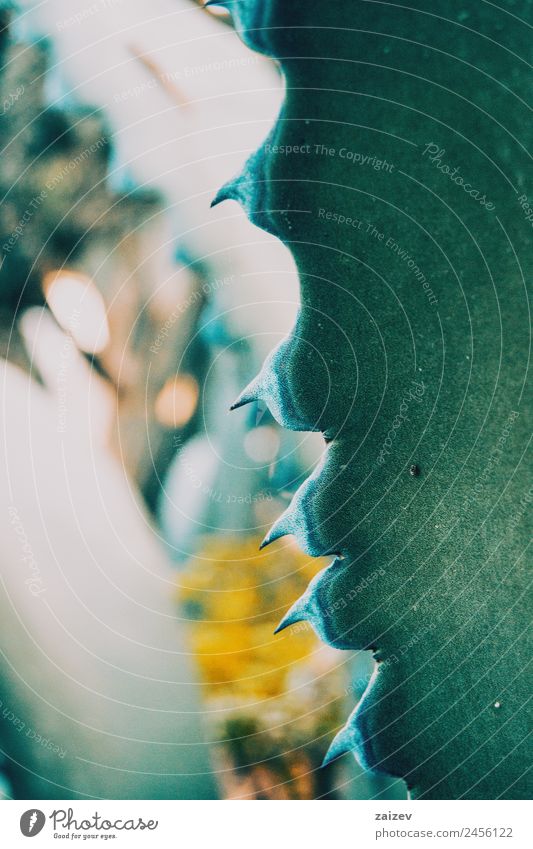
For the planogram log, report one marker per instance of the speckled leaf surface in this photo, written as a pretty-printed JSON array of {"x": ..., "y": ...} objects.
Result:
[{"x": 398, "y": 174}]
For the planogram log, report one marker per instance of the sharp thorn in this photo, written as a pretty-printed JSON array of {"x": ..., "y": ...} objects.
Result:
[
  {"x": 220, "y": 196},
  {"x": 340, "y": 745},
  {"x": 297, "y": 613},
  {"x": 234, "y": 189},
  {"x": 241, "y": 401},
  {"x": 248, "y": 395},
  {"x": 279, "y": 529}
]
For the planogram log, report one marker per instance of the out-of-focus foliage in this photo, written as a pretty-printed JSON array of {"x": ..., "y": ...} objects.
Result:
[{"x": 273, "y": 699}]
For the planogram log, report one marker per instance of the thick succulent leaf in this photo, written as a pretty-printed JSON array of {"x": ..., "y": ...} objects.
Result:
[{"x": 396, "y": 174}]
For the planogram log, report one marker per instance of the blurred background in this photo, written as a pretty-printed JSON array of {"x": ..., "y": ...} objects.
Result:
[{"x": 136, "y": 315}]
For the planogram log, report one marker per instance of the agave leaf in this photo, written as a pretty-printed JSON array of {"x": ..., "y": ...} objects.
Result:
[{"x": 396, "y": 176}]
